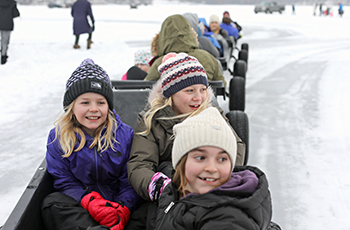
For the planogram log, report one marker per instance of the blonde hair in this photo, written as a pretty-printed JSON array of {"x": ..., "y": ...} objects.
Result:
[
  {"x": 179, "y": 178},
  {"x": 67, "y": 126},
  {"x": 161, "y": 102}
]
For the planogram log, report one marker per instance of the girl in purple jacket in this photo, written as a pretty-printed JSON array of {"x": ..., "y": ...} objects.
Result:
[{"x": 86, "y": 155}]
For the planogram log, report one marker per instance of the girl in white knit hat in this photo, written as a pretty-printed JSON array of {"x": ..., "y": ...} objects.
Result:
[
  {"x": 205, "y": 193},
  {"x": 182, "y": 91}
]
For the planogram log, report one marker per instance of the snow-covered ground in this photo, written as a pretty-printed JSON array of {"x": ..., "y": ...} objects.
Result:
[{"x": 296, "y": 97}]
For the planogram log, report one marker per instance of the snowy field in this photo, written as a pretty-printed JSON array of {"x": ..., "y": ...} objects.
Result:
[{"x": 297, "y": 92}]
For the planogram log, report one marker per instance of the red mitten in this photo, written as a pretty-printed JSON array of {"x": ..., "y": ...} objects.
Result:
[
  {"x": 103, "y": 211},
  {"x": 124, "y": 215}
]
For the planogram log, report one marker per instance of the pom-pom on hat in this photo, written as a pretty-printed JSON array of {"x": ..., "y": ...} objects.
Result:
[
  {"x": 142, "y": 56},
  {"x": 214, "y": 18},
  {"x": 88, "y": 77},
  {"x": 208, "y": 128},
  {"x": 179, "y": 71}
]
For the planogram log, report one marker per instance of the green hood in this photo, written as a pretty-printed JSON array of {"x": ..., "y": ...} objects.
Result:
[{"x": 176, "y": 35}]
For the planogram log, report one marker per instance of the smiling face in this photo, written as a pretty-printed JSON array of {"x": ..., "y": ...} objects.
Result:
[
  {"x": 206, "y": 168},
  {"x": 189, "y": 99},
  {"x": 214, "y": 26},
  {"x": 91, "y": 111}
]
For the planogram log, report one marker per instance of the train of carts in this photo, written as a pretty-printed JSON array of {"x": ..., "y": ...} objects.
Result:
[{"x": 27, "y": 213}]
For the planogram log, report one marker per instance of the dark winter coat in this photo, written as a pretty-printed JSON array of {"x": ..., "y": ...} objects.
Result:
[
  {"x": 103, "y": 172},
  {"x": 8, "y": 11},
  {"x": 148, "y": 152},
  {"x": 242, "y": 203},
  {"x": 207, "y": 45},
  {"x": 81, "y": 9},
  {"x": 176, "y": 35}
]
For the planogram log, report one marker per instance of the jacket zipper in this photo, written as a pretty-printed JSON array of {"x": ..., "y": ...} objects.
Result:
[
  {"x": 166, "y": 212},
  {"x": 97, "y": 174}
]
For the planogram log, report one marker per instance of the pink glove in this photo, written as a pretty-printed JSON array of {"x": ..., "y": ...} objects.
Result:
[
  {"x": 105, "y": 212},
  {"x": 156, "y": 186}
]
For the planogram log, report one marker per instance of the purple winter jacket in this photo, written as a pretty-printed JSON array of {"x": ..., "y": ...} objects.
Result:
[
  {"x": 80, "y": 10},
  {"x": 104, "y": 172}
]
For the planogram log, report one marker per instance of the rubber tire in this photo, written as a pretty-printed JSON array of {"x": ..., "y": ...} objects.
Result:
[
  {"x": 240, "y": 123},
  {"x": 237, "y": 93},
  {"x": 245, "y": 46},
  {"x": 240, "y": 68},
  {"x": 243, "y": 55}
]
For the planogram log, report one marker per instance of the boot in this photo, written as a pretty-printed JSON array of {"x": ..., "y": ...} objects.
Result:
[
  {"x": 4, "y": 59},
  {"x": 89, "y": 42},
  {"x": 76, "y": 46}
]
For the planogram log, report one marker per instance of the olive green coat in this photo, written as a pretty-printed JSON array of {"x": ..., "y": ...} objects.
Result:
[
  {"x": 176, "y": 35},
  {"x": 148, "y": 152}
]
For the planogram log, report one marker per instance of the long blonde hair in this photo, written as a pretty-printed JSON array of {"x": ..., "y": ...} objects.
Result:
[
  {"x": 160, "y": 102},
  {"x": 67, "y": 126}
]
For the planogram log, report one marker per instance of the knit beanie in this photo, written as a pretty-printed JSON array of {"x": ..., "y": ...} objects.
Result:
[
  {"x": 88, "y": 77},
  {"x": 214, "y": 18},
  {"x": 208, "y": 128},
  {"x": 226, "y": 14},
  {"x": 179, "y": 71},
  {"x": 142, "y": 56}
]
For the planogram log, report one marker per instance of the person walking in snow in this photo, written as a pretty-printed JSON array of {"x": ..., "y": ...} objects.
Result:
[
  {"x": 86, "y": 155},
  {"x": 8, "y": 11},
  {"x": 340, "y": 9},
  {"x": 81, "y": 9}
]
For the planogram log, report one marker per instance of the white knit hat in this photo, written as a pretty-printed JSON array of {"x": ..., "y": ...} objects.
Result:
[
  {"x": 208, "y": 128},
  {"x": 142, "y": 56},
  {"x": 214, "y": 18}
]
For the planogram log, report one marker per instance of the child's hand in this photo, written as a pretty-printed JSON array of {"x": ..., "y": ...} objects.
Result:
[
  {"x": 105, "y": 212},
  {"x": 156, "y": 186},
  {"x": 124, "y": 215}
]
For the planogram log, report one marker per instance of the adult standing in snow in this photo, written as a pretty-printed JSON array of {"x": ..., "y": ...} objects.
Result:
[
  {"x": 340, "y": 10},
  {"x": 8, "y": 11},
  {"x": 81, "y": 9}
]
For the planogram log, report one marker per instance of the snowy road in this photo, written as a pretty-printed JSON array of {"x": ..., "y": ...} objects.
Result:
[{"x": 296, "y": 98}]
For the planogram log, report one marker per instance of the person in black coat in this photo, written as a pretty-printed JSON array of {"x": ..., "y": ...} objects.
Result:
[
  {"x": 81, "y": 9},
  {"x": 204, "y": 192},
  {"x": 8, "y": 11}
]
